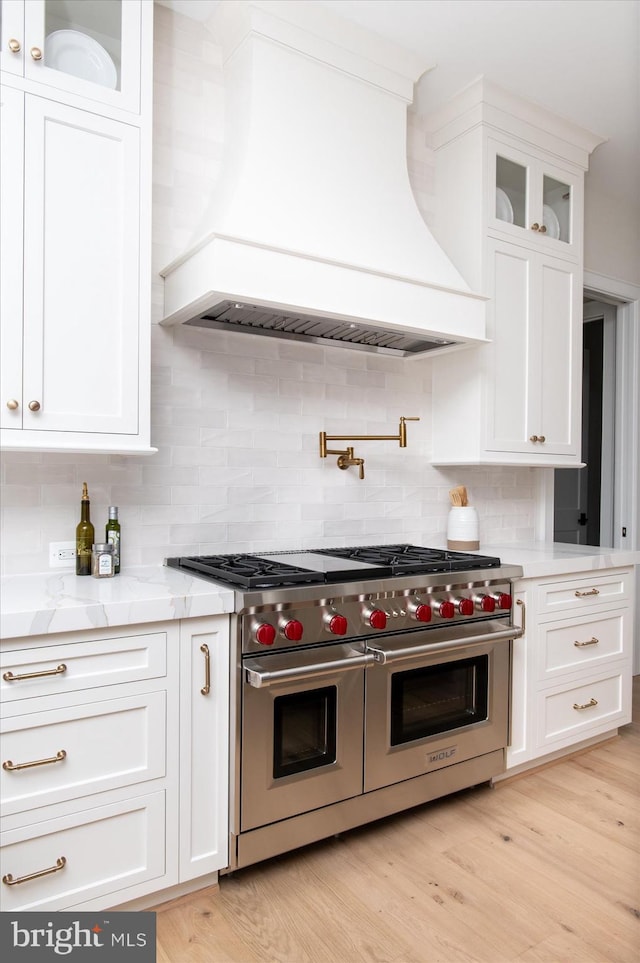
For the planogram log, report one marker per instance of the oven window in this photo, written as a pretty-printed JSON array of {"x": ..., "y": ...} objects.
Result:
[
  {"x": 438, "y": 698},
  {"x": 304, "y": 731}
]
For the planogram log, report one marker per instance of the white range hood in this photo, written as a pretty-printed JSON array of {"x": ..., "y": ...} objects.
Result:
[{"x": 313, "y": 231}]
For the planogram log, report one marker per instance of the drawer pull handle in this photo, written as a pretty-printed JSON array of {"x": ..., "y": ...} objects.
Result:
[
  {"x": 206, "y": 688},
  {"x": 592, "y": 641},
  {"x": 523, "y": 619},
  {"x": 61, "y": 862},
  {"x": 586, "y": 705},
  {"x": 10, "y": 677},
  {"x": 9, "y": 766},
  {"x": 582, "y": 595}
]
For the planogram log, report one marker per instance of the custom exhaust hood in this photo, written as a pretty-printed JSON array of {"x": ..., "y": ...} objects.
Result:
[{"x": 313, "y": 232}]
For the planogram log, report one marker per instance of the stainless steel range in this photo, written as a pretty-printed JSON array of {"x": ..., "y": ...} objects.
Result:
[{"x": 364, "y": 681}]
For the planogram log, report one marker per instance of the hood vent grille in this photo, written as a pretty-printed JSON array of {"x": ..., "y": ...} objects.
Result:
[{"x": 231, "y": 315}]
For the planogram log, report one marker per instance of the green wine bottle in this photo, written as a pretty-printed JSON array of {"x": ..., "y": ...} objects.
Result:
[
  {"x": 85, "y": 535},
  {"x": 112, "y": 535}
]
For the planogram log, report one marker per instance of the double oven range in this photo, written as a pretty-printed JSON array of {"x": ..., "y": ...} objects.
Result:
[{"x": 364, "y": 681}]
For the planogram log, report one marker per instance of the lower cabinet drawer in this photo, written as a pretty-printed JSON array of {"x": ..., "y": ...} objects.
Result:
[
  {"x": 587, "y": 591},
  {"x": 56, "y": 864},
  {"x": 587, "y": 642},
  {"x": 584, "y": 709},
  {"x": 63, "y": 754}
]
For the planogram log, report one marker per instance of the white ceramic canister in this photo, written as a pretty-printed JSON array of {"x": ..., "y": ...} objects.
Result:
[{"x": 462, "y": 529}]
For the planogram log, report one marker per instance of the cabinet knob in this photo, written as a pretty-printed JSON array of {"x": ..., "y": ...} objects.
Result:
[
  {"x": 543, "y": 229},
  {"x": 535, "y": 227},
  {"x": 14, "y": 46},
  {"x": 34, "y": 406},
  {"x": 36, "y": 53},
  {"x": 12, "y": 404},
  {"x": 533, "y": 438},
  {"x": 541, "y": 439}
]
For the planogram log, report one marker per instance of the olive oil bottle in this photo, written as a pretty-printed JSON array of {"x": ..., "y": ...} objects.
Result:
[
  {"x": 85, "y": 535},
  {"x": 112, "y": 534}
]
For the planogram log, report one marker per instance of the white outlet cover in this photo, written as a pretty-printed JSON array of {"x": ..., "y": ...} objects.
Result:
[{"x": 62, "y": 554}]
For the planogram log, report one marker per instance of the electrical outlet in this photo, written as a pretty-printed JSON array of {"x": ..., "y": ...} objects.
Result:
[{"x": 62, "y": 554}]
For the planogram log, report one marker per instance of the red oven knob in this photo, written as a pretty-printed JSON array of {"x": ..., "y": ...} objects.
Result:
[
  {"x": 465, "y": 607},
  {"x": 486, "y": 603},
  {"x": 265, "y": 634},
  {"x": 378, "y": 619},
  {"x": 446, "y": 610},
  {"x": 423, "y": 613},
  {"x": 338, "y": 625},
  {"x": 293, "y": 630},
  {"x": 503, "y": 600}
]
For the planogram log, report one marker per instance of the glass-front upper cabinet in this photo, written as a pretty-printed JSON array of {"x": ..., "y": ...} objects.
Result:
[
  {"x": 527, "y": 194},
  {"x": 86, "y": 47}
]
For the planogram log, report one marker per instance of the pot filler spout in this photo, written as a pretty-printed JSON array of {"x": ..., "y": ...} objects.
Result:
[{"x": 313, "y": 232}]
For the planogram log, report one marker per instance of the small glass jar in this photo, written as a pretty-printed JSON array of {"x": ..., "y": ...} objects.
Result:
[{"x": 102, "y": 560}]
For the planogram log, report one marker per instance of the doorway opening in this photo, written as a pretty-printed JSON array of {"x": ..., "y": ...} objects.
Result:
[{"x": 583, "y": 501}]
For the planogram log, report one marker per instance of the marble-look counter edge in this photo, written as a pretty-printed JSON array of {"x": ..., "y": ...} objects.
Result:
[
  {"x": 546, "y": 559},
  {"x": 46, "y": 603}
]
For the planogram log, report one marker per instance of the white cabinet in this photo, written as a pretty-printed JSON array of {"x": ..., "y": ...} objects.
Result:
[
  {"x": 114, "y": 785},
  {"x": 572, "y": 671},
  {"x": 83, "y": 48},
  {"x": 74, "y": 263},
  {"x": 204, "y": 746},
  {"x": 89, "y": 784},
  {"x": 510, "y": 218}
]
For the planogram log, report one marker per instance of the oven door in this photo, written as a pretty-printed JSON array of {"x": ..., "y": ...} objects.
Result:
[
  {"x": 302, "y": 723},
  {"x": 436, "y": 698}
]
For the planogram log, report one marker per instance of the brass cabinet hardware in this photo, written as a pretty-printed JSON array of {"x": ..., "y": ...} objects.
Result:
[
  {"x": 586, "y": 705},
  {"x": 10, "y": 677},
  {"x": 36, "y": 53},
  {"x": 592, "y": 641},
  {"x": 12, "y": 404},
  {"x": 34, "y": 406},
  {"x": 535, "y": 226},
  {"x": 346, "y": 457},
  {"x": 523, "y": 618},
  {"x": 206, "y": 688},
  {"x": 61, "y": 862},
  {"x": 542, "y": 229},
  {"x": 533, "y": 438},
  {"x": 9, "y": 766},
  {"x": 582, "y": 595},
  {"x": 540, "y": 438},
  {"x": 14, "y": 46}
]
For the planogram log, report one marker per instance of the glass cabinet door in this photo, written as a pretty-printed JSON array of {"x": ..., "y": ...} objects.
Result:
[
  {"x": 527, "y": 195},
  {"x": 87, "y": 47},
  {"x": 12, "y": 36}
]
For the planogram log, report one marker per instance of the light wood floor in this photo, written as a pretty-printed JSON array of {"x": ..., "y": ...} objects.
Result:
[{"x": 546, "y": 867}]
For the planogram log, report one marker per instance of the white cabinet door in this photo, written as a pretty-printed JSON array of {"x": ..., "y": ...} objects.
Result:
[
  {"x": 11, "y": 194},
  {"x": 534, "y": 202},
  {"x": 88, "y": 49},
  {"x": 204, "y": 746},
  {"x": 81, "y": 253},
  {"x": 533, "y": 394}
]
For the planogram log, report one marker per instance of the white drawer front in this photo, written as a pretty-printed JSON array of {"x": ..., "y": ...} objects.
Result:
[
  {"x": 582, "y": 642},
  {"x": 583, "y": 593},
  {"x": 582, "y": 710},
  {"x": 104, "y": 745},
  {"x": 103, "y": 850},
  {"x": 81, "y": 665}
]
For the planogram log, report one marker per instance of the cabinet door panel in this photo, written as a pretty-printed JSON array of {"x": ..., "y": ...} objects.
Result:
[
  {"x": 510, "y": 332},
  {"x": 11, "y": 160},
  {"x": 12, "y": 28},
  {"x": 560, "y": 342},
  {"x": 82, "y": 241}
]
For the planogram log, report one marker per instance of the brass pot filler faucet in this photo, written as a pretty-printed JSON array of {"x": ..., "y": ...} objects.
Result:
[{"x": 346, "y": 457}]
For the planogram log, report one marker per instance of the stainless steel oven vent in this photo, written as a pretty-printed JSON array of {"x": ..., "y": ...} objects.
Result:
[{"x": 254, "y": 319}]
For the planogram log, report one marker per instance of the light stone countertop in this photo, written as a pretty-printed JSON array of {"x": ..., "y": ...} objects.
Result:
[
  {"x": 541, "y": 559},
  {"x": 49, "y": 602}
]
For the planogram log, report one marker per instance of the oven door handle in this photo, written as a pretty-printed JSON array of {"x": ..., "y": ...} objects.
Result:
[
  {"x": 261, "y": 679},
  {"x": 387, "y": 656}
]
